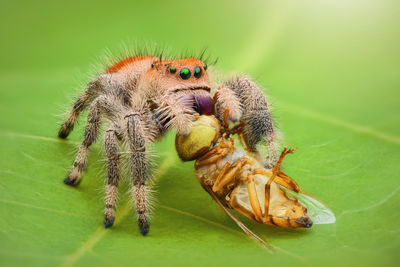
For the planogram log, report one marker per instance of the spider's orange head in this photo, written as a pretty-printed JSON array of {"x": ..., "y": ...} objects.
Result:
[{"x": 187, "y": 75}]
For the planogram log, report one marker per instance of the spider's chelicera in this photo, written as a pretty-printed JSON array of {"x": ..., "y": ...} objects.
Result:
[{"x": 140, "y": 98}]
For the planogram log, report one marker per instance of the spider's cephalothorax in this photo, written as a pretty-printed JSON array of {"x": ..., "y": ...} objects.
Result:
[{"x": 140, "y": 98}]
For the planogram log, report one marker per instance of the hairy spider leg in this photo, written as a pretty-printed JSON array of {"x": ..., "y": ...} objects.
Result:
[
  {"x": 91, "y": 131},
  {"x": 112, "y": 150},
  {"x": 83, "y": 101},
  {"x": 80, "y": 104},
  {"x": 102, "y": 105},
  {"x": 256, "y": 117},
  {"x": 139, "y": 168}
]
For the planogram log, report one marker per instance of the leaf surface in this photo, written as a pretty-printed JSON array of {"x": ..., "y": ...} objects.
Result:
[{"x": 330, "y": 69}]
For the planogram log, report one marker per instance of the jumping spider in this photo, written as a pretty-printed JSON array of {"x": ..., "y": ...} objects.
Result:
[{"x": 140, "y": 98}]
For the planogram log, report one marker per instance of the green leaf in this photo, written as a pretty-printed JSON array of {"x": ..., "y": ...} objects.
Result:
[{"x": 331, "y": 72}]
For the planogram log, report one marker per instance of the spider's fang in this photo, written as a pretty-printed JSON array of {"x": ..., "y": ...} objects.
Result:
[{"x": 204, "y": 104}]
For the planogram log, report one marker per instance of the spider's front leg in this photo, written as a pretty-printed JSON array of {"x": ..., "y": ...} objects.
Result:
[
  {"x": 139, "y": 165},
  {"x": 258, "y": 126}
]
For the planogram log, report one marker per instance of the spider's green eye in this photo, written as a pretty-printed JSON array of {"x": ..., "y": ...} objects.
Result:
[
  {"x": 197, "y": 72},
  {"x": 172, "y": 70},
  {"x": 185, "y": 73},
  {"x": 205, "y": 66}
]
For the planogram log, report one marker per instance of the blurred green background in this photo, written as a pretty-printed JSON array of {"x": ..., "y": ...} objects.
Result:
[{"x": 330, "y": 68}]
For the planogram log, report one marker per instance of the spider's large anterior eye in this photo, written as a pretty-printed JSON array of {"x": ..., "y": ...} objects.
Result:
[
  {"x": 185, "y": 73},
  {"x": 197, "y": 72}
]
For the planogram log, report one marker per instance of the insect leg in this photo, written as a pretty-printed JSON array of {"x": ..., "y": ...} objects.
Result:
[
  {"x": 256, "y": 118},
  {"x": 243, "y": 142},
  {"x": 224, "y": 168},
  {"x": 281, "y": 179},
  {"x": 218, "y": 149},
  {"x": 275, "y": 172},
  {"x": 231, "y": 173},
  {"x": 254, "y": 201},
  {"x": 212, "y": 159},
  {"x": 139, "y": 161},
  {"x": 267, "y": 197},
  {"x": 226, "y": 116},
  {"x": 217, "y": 154},
  {"x": 91, "y": 131},
  {"x": 276, "y": 169},
  {"x": 112, "y": 150}
]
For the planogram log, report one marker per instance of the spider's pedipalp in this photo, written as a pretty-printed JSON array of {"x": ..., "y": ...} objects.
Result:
[
  {"x": 227, "y": 99},
  {"x": 176, "y": 112}
]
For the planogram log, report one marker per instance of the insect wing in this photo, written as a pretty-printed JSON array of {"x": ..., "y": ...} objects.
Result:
[
  {"x": 317, "y": 211},
  {"x": 263, "y": 243}
]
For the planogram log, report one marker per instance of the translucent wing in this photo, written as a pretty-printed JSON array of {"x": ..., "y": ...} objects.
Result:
[
  {"x": 317, "y": 211},
  {"x": 242, "y": 226}
]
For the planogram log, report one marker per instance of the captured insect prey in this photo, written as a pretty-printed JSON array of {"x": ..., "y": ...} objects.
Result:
[{"x": 237, "y": 180}]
